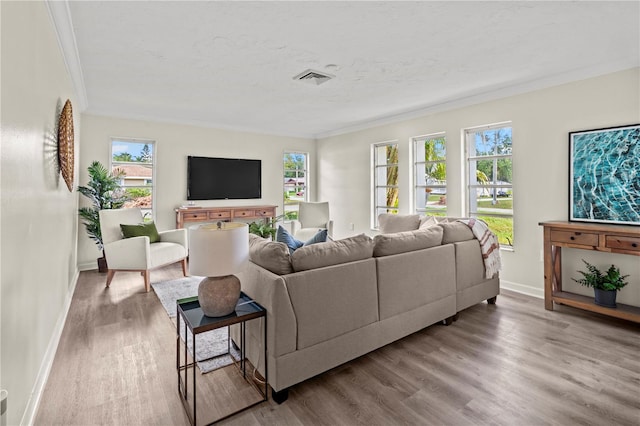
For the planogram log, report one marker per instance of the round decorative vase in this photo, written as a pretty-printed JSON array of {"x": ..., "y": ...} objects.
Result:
[
  {"x": 218, "y": 296},
  {"x": 606, "y": 298}
]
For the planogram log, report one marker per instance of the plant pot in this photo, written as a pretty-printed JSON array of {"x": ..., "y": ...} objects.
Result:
[
  {"x": 606, "y": 298},
  {"x": 102, "y": 265}
]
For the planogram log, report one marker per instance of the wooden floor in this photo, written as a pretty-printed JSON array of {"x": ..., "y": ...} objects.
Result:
[{"x": 512, "y": 363}]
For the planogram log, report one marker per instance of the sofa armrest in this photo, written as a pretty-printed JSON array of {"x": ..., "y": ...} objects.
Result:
[
  {"x": 178, "y": 236},
  {"x": 270, "y": 291},
  {"x": 128, "y": 253}
]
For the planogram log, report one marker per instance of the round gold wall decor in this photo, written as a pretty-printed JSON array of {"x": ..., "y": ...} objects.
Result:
[{"x": 65, "y": 144}]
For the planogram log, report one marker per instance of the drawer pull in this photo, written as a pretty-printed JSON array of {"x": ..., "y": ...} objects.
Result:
[
  {"x": 572, "y": 238},
  {"x": 634, "y": 244}
]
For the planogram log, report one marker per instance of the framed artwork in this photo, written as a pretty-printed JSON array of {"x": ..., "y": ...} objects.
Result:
[
  {"x": 604, "y": 175},
  {"x": 65, "y": 144}
]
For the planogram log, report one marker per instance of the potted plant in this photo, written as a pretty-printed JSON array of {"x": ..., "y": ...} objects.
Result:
[
  {"x": 605, "y": 285},
  {"x": 266, "y": 228},
  {"x": 104, "y": 192}
]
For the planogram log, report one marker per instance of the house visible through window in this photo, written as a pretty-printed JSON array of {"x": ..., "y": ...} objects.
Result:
[
  {"x": 134, "y": 159},
  {"x": 489, "y": 178},
  {"x": 295, "y": 182},
  {"x": 430, "y": 174},
  {"x": 385, "y": 179}
]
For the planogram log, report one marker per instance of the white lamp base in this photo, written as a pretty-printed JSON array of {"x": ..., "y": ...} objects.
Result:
[{"x": 219, "y": 296}]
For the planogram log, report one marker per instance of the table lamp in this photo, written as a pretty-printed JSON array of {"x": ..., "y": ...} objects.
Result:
[{"x": 216, "y": 252}]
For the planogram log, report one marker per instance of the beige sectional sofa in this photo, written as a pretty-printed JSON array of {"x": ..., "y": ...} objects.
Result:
[{"x": 331, "y": 302}]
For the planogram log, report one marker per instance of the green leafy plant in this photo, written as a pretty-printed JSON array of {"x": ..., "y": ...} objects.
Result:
[
  {"x": 104, "y": 192},
  {"x": 266, "y": 228},
  {"x": 612, "y": 280}
]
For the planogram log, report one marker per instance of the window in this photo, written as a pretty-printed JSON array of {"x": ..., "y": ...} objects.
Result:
[
  {"x": 430, "y": 174},
  {"x": 385, "y": 179},
  {"x": 135, "y": 160},
  {"x": 489, "y": 177},
  {"x": 295, "y": 182}
]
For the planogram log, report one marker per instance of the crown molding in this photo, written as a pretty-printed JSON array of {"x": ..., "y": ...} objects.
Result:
[
  {"x": 487, "y": 95},
  {"x": 107, "y": 113},
  {"x": 61, "y": 18}
]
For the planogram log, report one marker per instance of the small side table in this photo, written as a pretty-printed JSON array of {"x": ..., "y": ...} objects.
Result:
[{"x": 191, "y": 316}]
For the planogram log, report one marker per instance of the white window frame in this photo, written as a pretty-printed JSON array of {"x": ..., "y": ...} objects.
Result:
[
  {"x": 472, "y": 185},
  {"x": 284, "y": 188},
  {"x": 376, "y": 188},
  {"x": 419, "y": 178},
  {"x": 154, "y": 151}
]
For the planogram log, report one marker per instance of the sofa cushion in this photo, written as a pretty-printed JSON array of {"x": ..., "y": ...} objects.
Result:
[
  {"x": 332, "y": 253},
  {"x": 271, "y": 255},
  {"x": 455, "y": 232},
  {"x": 389, "y": 223},
  {"x": 402, "y": 242}
]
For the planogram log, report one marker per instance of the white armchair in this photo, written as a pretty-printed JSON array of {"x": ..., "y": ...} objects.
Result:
[
  {"x": 311, "y": 217},
  {"x": 136, "y": 253}
]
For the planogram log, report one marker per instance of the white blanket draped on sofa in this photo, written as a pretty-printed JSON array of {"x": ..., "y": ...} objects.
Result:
[{"x": 489, "y": 245}]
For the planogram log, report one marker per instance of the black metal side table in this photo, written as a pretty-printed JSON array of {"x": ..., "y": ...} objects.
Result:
[{"x": 193, "y": 319}]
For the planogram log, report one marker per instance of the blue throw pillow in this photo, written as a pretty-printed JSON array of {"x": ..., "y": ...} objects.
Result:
[
  {"x": 320, "y": 237},
  {"x": 283, "y": 236}
]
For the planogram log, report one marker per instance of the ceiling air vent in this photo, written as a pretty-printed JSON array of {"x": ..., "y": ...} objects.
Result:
[{"x": 314, "y": 77}]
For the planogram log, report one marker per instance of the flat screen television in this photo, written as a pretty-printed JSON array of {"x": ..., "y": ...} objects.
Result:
[{"x": 223, "y": 178}]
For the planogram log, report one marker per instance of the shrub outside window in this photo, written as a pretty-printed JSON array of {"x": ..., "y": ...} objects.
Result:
[
  {"x": 385, "y": 179},
  {"x": 430, "y": 174}
]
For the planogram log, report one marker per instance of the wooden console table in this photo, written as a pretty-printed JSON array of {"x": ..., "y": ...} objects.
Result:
[
  {"x": 586, "y": 236},
  {"x": 225, "y": 214}
]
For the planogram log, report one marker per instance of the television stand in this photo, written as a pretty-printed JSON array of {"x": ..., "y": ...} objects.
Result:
[{"x": 225, "y": 214}]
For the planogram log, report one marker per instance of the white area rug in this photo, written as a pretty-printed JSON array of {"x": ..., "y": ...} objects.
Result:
[{"x": 210, "y": 344}]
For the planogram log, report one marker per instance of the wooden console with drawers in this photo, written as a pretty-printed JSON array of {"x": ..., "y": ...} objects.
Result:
[
  {"x": 226, "y": 214},
  {"x": 585, "y": 236}
]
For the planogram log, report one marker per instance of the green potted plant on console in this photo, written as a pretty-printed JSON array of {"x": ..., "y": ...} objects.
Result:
[
  {"x": 605, "y": 285},
  {"x": 266, "y": 228}
]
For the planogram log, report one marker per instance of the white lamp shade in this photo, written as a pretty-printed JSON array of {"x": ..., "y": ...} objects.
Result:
[{"x": 217, "y": 252}]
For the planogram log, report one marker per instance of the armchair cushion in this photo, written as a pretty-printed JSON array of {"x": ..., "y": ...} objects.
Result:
[{"x": 141, "y": 230}]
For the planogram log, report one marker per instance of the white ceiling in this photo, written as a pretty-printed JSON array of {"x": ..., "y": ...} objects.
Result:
[{"x": 230, "y": 64}]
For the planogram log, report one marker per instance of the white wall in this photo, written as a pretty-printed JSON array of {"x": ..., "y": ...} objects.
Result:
[
  {"x": 541, "y": 121},
  {"x": 39, "y": 221},
  {"x": 173, "y": 144}
]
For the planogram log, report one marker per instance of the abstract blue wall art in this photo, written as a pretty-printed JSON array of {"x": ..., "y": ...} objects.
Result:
[{"x": 604, "y": 176}]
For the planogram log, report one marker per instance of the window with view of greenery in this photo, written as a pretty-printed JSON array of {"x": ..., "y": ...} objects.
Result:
[
  {"x": 295, "y": 182},
  {"x": 385, "y": 179},
  {"x": 430, "y": 174},
  {"x": 490, "y": 178},
  {"x": 136, "y": 160}
]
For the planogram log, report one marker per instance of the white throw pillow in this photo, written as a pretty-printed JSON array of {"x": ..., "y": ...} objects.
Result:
[{"x": 427, "y": 221}]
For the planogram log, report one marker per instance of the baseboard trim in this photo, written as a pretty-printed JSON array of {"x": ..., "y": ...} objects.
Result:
[
  {"x": 87, "y": 266},
  {"x": 45, "y": 368},
  {"x": 523, "y": 289}
]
